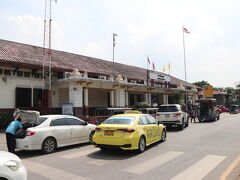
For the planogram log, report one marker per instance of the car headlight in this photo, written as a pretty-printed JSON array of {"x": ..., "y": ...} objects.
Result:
[{"x": 13, "y": 165}]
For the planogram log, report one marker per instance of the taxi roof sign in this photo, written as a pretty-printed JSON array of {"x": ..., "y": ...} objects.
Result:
[{"x": 132, "y": 112}]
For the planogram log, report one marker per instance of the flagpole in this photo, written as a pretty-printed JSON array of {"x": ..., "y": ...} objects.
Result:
[
  {"x": 147, "y": 69},
  {"x": 113, "y": 46},
  {"x": 184, "y": 55}
]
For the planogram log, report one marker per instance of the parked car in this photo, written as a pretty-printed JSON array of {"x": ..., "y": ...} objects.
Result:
[
  {"x": 234, "y": 109},
  {"x": 129, "y": 131},
  {"x": 151, "y": 111},
  {"x": 222, "y": 108},
  {"x": 11, "y": 167},
  {"x": 49, "y": 132},
  {"x": 208, "y": 110},
  {"x": 172, "y": 115}
]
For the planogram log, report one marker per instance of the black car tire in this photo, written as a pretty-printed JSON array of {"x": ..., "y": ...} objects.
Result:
[
  {"x": 142, "y": 144},
  {"x": 91, "y": 137},
  {"x": 181, "y": 126},
  {"x": 164, "y": 135},
  {"x": 49, "y": 145}
]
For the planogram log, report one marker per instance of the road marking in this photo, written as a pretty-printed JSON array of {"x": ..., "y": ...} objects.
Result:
[
  {"x": 153, "y": 163},
  {"x": 100, "y": 162},
  {"x": 50, "y": 172},
  {"x": 230, "y": 168},
  {"x": 201, "y": 168},
  {"x": 79, "y": 154}
]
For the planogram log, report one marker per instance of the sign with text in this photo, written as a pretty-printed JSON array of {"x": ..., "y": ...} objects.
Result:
[
  {"x": 67, "y": 108},
  {"x": 160, "y": 77}
]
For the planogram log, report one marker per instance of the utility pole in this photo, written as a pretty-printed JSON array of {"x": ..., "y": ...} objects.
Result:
[{"x": 47, "y": 66}]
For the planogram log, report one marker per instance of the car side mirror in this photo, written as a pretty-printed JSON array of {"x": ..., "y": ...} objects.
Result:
[{"x": 85, "y": 123}]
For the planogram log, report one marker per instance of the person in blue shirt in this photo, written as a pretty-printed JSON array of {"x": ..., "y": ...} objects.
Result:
[{"x": 10, "y": 134}]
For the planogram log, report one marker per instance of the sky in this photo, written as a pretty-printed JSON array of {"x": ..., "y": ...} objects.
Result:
[{"x": 145, "y": 28}]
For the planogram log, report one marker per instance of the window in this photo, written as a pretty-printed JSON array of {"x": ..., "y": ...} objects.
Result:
[
  {"x": 7, "y": 72},
  {"x": 119, "y": 120},
  {"x": 23, "y": 97},
  {"x": 20, "y": 73},
  {"x": 41, "y": 120},
  {"x": 27, "y": 74},
  {"x": 1, "y": 71},
  {"x": 168, "y": 109},
  {"x": 72, "y": 121},
  {"x": 59, "y": 122},
  {"x": 37, "y": 97},
  {"x": 151, "y": 119},
  {"x": 36, "y": 75},
  {"x": 144, "y": 120}
]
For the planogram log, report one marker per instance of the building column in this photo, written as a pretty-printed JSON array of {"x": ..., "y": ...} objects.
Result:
[
  {"x": 165, "y": 99},
  {"x": 85, "y": 103},
  {"x": 112, "y": 98},
  {"x": 146, "y": 97},
  {"x": 126, "y": 98},
  {"x": 85, "y": 97},
  {"x": 150, "y": 99},
  {"x": 76, "y": 97},
  {"x": 120, "y": 97}
]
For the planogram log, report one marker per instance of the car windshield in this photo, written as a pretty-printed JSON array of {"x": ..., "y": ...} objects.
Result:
[
  {"x": 168, "y": 109},
  {"x": 119, "y": 120}
]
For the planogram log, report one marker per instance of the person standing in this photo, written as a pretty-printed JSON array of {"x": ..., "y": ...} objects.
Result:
[
  {"x": 193, "y": 115},
  {"x": 10, "y": 134}
]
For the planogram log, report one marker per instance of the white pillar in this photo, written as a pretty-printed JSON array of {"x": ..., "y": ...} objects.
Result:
[
  {"x": 120, "y": 97},
  {"x": 146, "y": 97},
  {"x": 150, "y": 99},
  {"x": 85, "y": 97},
  {"x": 165, "y": 99},
  {"x": 126, "y": 98},
  {"x": 75, "y": 95},
  {"x": 112, "y": 98}
]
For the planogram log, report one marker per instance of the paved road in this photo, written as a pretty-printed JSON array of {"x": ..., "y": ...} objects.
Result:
[{"x": 206, "y": 151}]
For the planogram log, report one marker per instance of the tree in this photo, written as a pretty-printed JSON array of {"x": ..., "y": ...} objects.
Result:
[{"x": 201, "y": 83}]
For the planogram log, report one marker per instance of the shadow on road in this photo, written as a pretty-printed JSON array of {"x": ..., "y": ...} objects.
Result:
[
  {"x": 119, "y": 154},
  {"x": 30, "y": 154}
]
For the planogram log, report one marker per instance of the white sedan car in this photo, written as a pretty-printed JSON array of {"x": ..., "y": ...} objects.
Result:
[
  {"x": 11, "y": 167},
  {"x": 49, "y": 132}
]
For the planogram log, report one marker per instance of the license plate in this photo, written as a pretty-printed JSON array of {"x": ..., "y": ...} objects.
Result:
[
  {"x": 108, "y": 133},
  {"x": 167, "y": 115}
]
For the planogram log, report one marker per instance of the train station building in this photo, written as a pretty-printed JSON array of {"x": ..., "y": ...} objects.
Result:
[{"x": 85, "y": 83}]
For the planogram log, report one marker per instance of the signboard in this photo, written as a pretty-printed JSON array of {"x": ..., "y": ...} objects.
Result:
[
  {"x": 208, "y": 91},
  {"x": 161, "y": 77},
  {"x": 67, "y": 108}
]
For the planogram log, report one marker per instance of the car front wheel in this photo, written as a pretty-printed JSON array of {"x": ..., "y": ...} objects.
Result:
[{"x": 49, "y": 145}]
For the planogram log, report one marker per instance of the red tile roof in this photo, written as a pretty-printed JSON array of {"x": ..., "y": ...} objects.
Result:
[{"x": 22, "y": 54}]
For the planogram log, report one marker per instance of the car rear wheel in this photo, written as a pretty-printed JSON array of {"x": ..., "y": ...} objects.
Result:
[
  {"x": 91, "y": 137},
  {"x": 187, "y": 123},
  {"x": 49, "y": 145},
  {"x": 164, "y": 135},
  {"x": 142, "y": 144},
  {"x": 181, "y": 126}
]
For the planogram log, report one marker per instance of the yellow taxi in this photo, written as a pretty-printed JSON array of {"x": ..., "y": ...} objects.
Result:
[{"x": 129, "y": 131}]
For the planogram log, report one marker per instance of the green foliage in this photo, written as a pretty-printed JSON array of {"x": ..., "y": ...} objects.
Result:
[
  {"x": 5, "y": 119},
  {"x": 141, "y": 105},
  {"x": 201, "y": 83}
]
